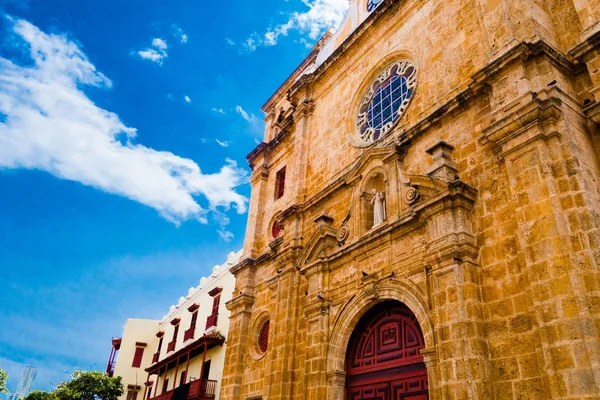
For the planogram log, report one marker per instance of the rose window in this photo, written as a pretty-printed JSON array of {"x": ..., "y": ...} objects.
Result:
[
  {"x": 371, "y": 4},
  {"x": 386, "y": 100}
]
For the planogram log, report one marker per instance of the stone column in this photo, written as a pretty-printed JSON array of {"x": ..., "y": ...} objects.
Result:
[
  {"x": 256, "y": 216},
  {"x": 239, "y": 329},
  {"x": 456, "y": 300},
  {"x": 282, "y": 342}
]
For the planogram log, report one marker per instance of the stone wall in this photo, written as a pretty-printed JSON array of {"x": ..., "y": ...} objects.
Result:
[{"x": 493, "y": 204}]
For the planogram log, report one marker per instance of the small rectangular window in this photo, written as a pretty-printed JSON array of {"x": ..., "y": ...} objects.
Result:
[
  {"x": 175, "y": 333},
  {"x": 165, "y": 386},
  {"x": 213, "y": 317},
  {"x": 132, "y": 395},
  {"x": 137, "y": 357},
  {"x": 280, "y": 183},
  {"x": 194, "y": 319},
  {"x": 183, "y": 376}
]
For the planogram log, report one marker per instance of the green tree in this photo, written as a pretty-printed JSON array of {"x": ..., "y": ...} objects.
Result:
[
  {"x": 84, "y": 386},
  {"x": 89, "y": 386},
  {"x": 39, "y": 395},
  {"x": 3, "y": 377}
]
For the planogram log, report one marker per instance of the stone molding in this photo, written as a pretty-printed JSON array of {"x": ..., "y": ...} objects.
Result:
[
  {"x": 536, "y": 120},
  {"x": 241, "y": 304},
  {"x": 353, "y": 310}
]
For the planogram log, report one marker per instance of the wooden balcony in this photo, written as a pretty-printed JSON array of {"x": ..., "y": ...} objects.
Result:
[{"x": 201, "y": 389}]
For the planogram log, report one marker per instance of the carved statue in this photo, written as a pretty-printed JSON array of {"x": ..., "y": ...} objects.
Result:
[{"x": 378, "y": 202}]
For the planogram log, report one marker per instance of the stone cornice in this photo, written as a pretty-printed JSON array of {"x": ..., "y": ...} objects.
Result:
[
  {"x": 542, "y": 111},
  {"x": 585, "y": 47},
  {"x": 264, "y": 147},
  {"x": 241, "y": 303},
  {"x": 245, "y": 263}
]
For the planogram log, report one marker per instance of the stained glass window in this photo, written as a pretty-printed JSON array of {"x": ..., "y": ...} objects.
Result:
[
  {"x": 371, "y": 4},
  {"x": 385, "y": 101}
]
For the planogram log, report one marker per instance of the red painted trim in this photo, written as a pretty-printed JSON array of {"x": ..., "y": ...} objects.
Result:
[
  {"x": 176, "y": 321},
  {"x": 160, "y": 334},
  {"x": 215, "y": 291},
  {"x": 193, "y": 307}
]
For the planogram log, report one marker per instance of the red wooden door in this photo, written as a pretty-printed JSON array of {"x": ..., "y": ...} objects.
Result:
[{"x": 383, "y": 360}]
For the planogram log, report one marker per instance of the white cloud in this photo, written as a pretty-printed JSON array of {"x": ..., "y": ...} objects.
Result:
[
  {"x": 218, "y": 110},
  {"x": 157, "y": 53},
  {"x": 255, "y": 123},
  {"x": 50, "y": 124},
  {"x": 179, "y": 34},
  {"x": 187, "y": 99},
  {"x": 320, "y": 16},
  {"x": 159, "y": 44},
  {"x": 222, "y": 144},
  {"x": 225, "y": 235},
  {"x": 230, "y": 41}
]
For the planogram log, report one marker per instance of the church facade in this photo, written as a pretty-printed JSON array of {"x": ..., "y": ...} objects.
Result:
[{"x": 425, "y": 210}]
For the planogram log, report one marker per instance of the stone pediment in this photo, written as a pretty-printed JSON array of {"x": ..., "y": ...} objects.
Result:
[
  {"x": 421, "y": 187},
  {"x": 320, "y": 245},
  {"x": 366, "y": 161}
]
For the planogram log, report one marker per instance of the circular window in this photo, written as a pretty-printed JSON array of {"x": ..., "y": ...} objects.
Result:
[
  {"x": 371, "y": 4},
  {"x": 263, "y": 337},
  {"x": 386, "y": 100},
  {"x": 275, "y": 229}
]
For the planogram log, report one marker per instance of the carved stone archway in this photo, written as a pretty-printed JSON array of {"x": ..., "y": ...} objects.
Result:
[{"x": 350, "y": 315}]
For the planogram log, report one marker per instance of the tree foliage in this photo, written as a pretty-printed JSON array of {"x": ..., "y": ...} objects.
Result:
[
  {"x": 3, "y": 378},
  {"x": 83, "y": 386},
  {"x": 39, "y": 395}
]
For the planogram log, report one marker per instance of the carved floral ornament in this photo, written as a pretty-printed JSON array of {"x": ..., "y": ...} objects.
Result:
[{"x": 384, "y": 102}]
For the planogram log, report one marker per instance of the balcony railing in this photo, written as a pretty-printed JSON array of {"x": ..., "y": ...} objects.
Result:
[
  {"x": 211, "y": 321},
  {"x": 110, "y": 368},
  {"x": 171, "y": 346},
  {"x": 201, "y": 389},
  {"x": 155, "y": 357},
  {"x": 189, "y": 334},
  {"x": 164, "y": 396}
]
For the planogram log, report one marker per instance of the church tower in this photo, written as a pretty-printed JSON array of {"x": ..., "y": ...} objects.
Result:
[{"x": 425, "y": 210}]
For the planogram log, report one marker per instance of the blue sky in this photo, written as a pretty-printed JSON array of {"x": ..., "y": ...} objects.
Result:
[{"x": 123, "y": 130}]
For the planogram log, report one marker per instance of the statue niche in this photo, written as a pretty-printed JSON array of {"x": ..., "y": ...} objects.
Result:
[{"x": 373, "y": 202}]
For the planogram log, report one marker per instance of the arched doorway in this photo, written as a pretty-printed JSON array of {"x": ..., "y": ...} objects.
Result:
[{"x": 383, "y": 361}]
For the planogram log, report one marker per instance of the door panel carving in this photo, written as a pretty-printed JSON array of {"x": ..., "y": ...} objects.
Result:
[{"x": 383, "y": 360}]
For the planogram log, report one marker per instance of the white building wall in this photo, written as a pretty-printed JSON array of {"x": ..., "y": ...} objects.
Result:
[{"x": 136, "y": 331}]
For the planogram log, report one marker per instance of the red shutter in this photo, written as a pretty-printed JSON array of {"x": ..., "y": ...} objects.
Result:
[
  {"x": 280, "y": 183},
  {"x": 137, "y": 358},
  {"x": 175, "y": 332},
  {"x": 216, "y": 301},
  {"x": 194, "y": 319}
]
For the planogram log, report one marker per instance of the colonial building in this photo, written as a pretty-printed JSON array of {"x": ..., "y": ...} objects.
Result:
[
  {"x": 190, "y": 354},
  {"x": 425, "y": 210},
  {"x": 181, "y": 356},
  {"x": 131, "y": 354}
]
